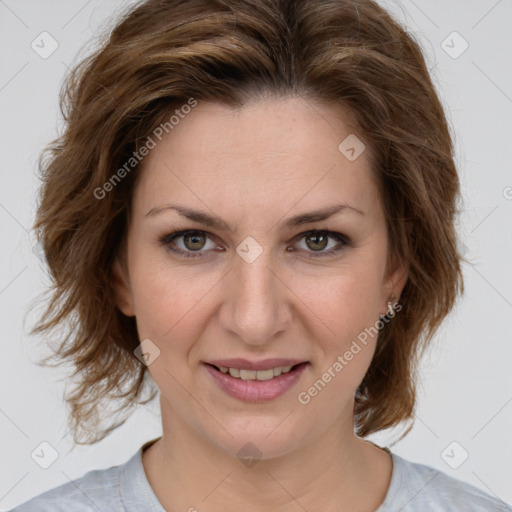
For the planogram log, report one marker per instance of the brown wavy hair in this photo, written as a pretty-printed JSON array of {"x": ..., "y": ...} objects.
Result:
[{"x": 161, "y": 53}]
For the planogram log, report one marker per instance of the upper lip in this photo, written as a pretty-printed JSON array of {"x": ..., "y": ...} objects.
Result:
[{"x": 265, "y": 364}]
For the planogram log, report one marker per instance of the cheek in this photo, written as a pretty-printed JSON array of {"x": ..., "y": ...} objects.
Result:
[
  {"x": 344, "y": 308},
  {"x": 344, "y": 302},
  {"x": 345, "y": 342},
  {"x": 168, "y": 300}
]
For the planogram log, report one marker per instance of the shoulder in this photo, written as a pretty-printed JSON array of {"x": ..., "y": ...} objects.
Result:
[
  {"x": 116, "y": 489},
  {"x": 420, "y": 487},
  {"x": 96, "y": 490}
]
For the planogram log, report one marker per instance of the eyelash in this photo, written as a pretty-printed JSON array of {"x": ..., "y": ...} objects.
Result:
[{"x": 167, "y": 240}]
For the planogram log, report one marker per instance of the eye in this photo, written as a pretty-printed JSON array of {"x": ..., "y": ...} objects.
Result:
[
  {"x": 316, "y": 241},
  {"x": 193, "y": 243}
]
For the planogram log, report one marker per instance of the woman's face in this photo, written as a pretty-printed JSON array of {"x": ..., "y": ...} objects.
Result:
[{"x": 259, "y": 283}]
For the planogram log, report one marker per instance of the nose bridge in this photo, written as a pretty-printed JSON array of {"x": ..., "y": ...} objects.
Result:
[{"x": 256, "y": 308}]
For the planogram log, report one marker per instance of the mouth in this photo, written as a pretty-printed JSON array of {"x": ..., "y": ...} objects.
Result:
[
  {"x": 257, "y": 375},
  {"x": 248, "y": 385}
]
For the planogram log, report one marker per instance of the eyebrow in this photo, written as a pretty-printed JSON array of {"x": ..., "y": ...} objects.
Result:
[{"x": 215, "y": 222}]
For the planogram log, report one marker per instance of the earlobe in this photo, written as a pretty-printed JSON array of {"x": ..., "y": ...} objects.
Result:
[{"x": 121, "y": 285}]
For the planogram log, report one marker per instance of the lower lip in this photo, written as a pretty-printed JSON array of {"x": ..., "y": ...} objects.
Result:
[{"x": 256, "y": 390}]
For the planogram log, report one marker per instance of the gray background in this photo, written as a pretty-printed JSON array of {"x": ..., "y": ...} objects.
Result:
[{"x": 465, "y": 393}]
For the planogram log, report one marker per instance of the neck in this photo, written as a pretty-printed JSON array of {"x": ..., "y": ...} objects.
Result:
[{"x": 337, "y": 472}]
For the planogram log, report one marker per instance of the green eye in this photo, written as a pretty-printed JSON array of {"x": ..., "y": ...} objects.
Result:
[
  {"x": 193, "y": 243},
  {"x": 316, "y": 241}
]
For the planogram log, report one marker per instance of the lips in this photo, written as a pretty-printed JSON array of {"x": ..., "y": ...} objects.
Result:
[
  {"x": 255, "y": 390},
  {"x": 245, "y": 364}
]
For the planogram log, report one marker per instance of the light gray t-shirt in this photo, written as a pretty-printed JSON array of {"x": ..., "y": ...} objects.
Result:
[{"x": 125, "y": 488}]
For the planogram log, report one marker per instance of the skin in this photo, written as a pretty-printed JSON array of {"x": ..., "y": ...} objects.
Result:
[{"x": 254, "y": 168}]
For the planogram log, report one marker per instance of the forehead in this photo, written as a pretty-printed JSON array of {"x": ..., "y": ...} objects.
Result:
[{"x": 276, "y": 152}]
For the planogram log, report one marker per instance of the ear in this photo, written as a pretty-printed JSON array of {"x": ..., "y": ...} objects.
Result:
[
  {"x": 122, "y": 289},
  {"x": 396, "y": 278}
]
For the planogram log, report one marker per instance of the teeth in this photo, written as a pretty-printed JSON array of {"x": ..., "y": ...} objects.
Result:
[
  {"x": 256, "y": 375},
  {"x": 247, "y": 374},
  {"x": 234, "y": 372},
  {"x": 265, "y": 374}
]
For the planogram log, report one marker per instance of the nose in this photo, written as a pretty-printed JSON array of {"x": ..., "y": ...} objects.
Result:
[{"x": 257, "y": 304}]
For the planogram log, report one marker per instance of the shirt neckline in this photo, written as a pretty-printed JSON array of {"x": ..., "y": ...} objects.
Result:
[{"x": 135, "y": 491}]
